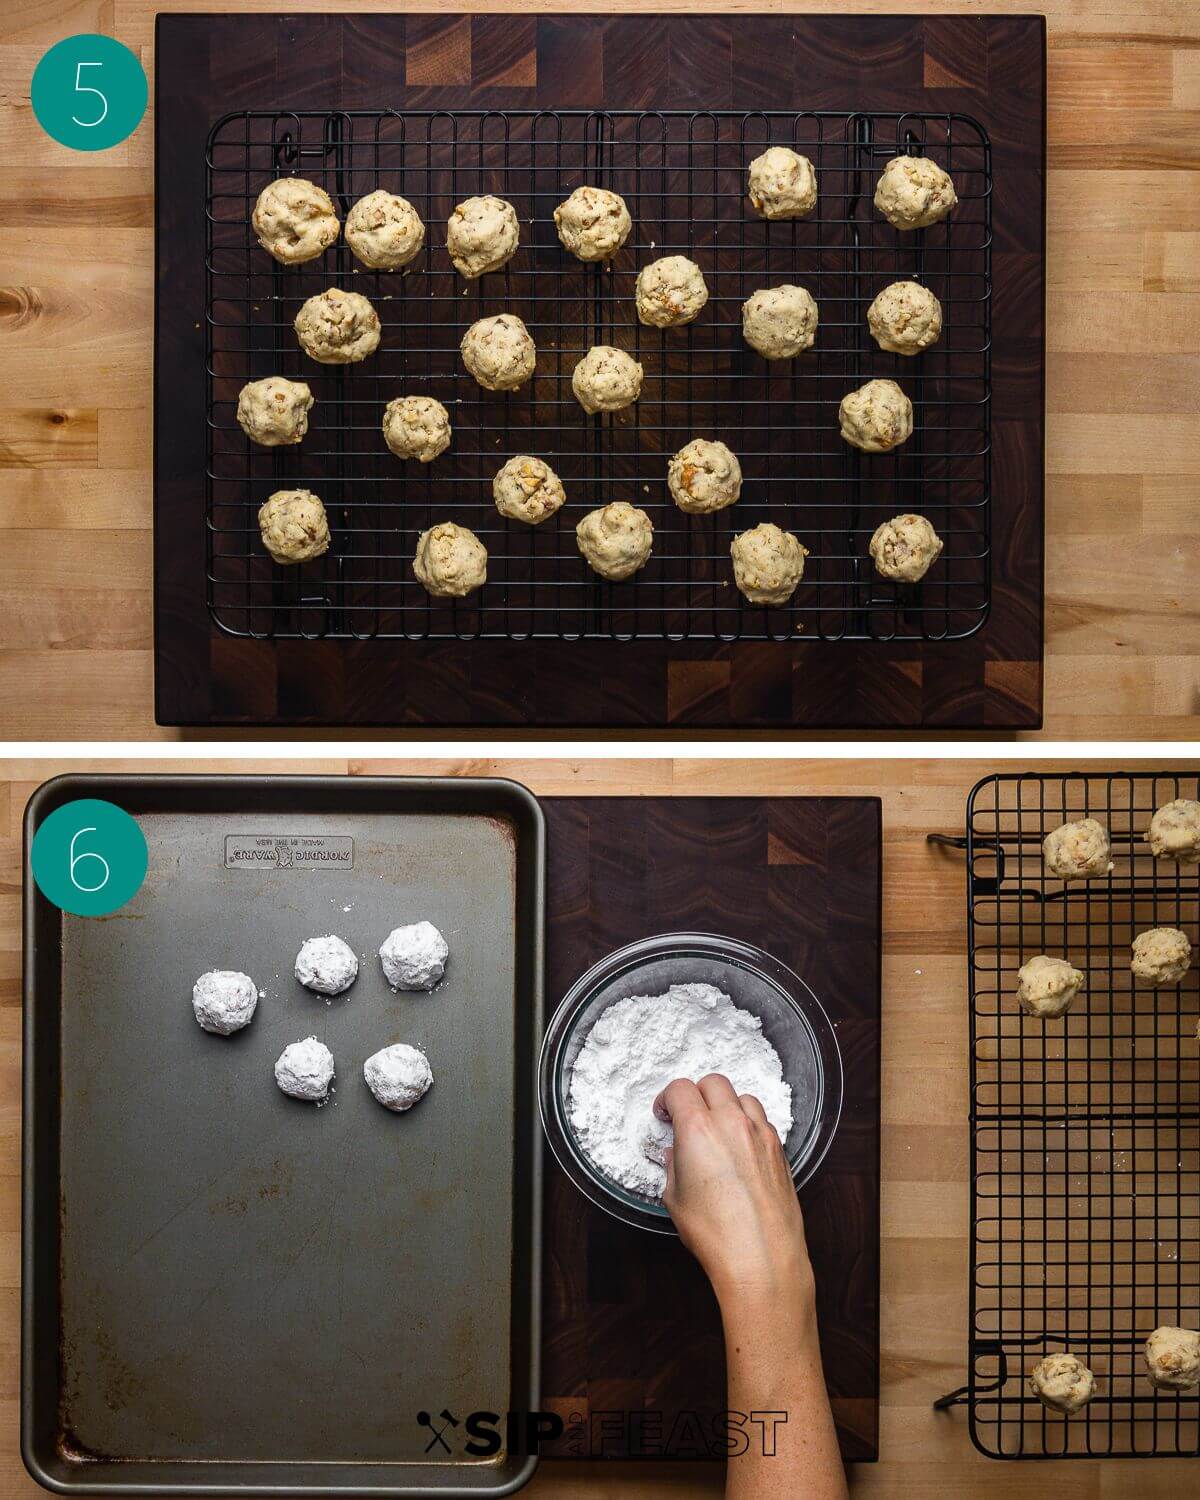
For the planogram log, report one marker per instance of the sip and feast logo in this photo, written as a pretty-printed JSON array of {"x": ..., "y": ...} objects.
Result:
[
  {"x": 601, "y": 1434},
  {"x": 288, "y": 851}
]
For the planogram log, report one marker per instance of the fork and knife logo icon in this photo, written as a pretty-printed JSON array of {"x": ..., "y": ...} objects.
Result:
[{"x": 448, "y": 1420}]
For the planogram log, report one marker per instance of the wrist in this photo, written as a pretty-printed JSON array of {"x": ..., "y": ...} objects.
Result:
[{"x": 783, "y": 1302}]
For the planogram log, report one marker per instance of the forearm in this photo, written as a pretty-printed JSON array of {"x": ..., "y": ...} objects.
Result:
[{"x": 774, "y": 1365}]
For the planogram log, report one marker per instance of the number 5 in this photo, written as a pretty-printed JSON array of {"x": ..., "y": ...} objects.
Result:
[
  {"x": 84, "y": 88},
  {"x": 78, "y": 859}
]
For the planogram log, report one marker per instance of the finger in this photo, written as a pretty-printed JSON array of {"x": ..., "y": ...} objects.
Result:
[
  {"x": 717, "y": 1090},
  {"x": 678, "y": 1100},
  {"x": 753, "y": 1108},
  {"x": 668, "y": 1195}
]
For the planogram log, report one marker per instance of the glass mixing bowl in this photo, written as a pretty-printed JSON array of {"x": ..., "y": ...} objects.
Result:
[{"x": 793, "y": 1021}]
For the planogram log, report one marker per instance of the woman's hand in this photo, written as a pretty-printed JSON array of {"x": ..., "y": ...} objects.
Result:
[{"x": 731, "y": 1194}]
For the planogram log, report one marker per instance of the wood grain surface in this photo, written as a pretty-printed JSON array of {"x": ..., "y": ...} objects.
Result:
[
  {"x": 629, "y": 1321},
  {"x": 1123, "y": 458},
  {"x": 924, "y": 1200},
  {"x": 405, "y": 662}
]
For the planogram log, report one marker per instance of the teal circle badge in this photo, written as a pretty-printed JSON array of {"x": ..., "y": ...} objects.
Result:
[
  {"x": 89, "y": 92},
  {"x": 89, "y": 857}
]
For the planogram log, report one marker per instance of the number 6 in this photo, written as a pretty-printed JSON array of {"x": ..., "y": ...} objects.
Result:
[
  {"x": 78, "y": 859},
  {"x": 85, "y": 88}
]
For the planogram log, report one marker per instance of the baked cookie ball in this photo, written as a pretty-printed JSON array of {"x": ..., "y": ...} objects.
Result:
[
  {"x": 224, "y": 1000},
  {"x": 499, "y": 352},
  {"x": 593, "y": 223},
  {"x": 337, "y": 328},
  {"x": 914, "y": 192},
  {"x": 905, "y": 548},
  {"x": 1174, "y": 831},
  {"x": 482, "y": 235},
  {"x": 451, "y": 561},
  {"x": 877, "y": 417},
  {"x": 1047, "y": 986},
  {"x": 782, "y": 184},
  {"x": 1062, "y": 1383},
  {"x": 1173, "y": 1358},
  {"x": 606, "y": 379},
  {"x": 527, "y": 489},
  {"x": 1078, "y": 850},
  {"x": 274, "y": 411},
  {"x": 1161, "y": 956},
  {"x": 779, "y": 322},
  {"x": 294, "y": 526},
  {"x": 657, "y": 1141},
  {"x": 416, "y": 427},
  {"x": 414, "y": 957},
  {"x": 384, "y": 231},
  {"x": 615, "y": 540},
  {"x": 326, "y": 965},
  {"x": 294, "y": 220},
  {"x": 398, "y": 1076},
  {"x": 767, "y": 564},
  {"x": 670, "y": 291},
  {"x": 905, "y": 318},
  {"x": 704, "y": 476},
  {"x": 304, "y": 1070}
]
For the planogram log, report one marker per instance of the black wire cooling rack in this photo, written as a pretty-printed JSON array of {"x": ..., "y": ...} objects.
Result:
[
  {"x": 1085, "y": 1131},
  {"x": 683, "y": 175}
]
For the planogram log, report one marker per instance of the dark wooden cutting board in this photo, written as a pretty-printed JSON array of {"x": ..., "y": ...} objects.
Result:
[
  {"x": 992, "y": 68},
  {"x": 631, "y": 1330}
]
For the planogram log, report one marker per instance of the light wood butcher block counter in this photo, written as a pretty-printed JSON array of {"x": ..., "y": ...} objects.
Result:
[
  {"x": 925, "y": 1197},
  {"x": 1123, "y": 441}
]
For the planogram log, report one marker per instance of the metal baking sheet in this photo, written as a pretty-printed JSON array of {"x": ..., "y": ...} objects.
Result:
[{"x": 225, "y": 1288}]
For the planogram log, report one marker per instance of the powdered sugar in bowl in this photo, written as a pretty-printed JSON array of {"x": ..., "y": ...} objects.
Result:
[{"x": 793, "y": 1022}]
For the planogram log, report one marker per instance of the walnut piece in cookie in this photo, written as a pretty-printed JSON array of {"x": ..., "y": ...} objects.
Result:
[
  {"x": 606, "y": 379},
  {"x": 337, "y": 328},
  {"x": 704, "y": 476},
  {"x": 905, "y": 318},
  {"x": 294, "y": 526},
  {"x": 384, "y": 231},
  {"x": 593, "y": 223},
  {"x": 274, "y": 412},
  {"x": 294, "y": 220},
  {"x": 877, "y": 417},
  {"x": 615, "y": 540},
  {"x": 527, "y": 489},
  {"x": 905, "y": 548},
  {"x": 914, "y": 193},
  {"x": 499, "y": 352},
  {"x": 416, "y": 427},
  {"x": 670, "y": 292},
  {"x": 482, "y": 235},
  {"x": 1047, "y": 986},
  {"x": 782, "y": 184},
  {"x": 451, "y": 561},
  {"x": 768, "y": 564},
  {"x": 1077, "y": 851},
  {"x": 779, "y": 322}
]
